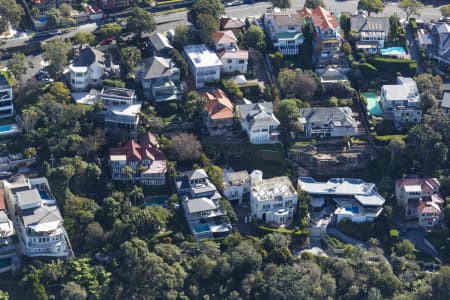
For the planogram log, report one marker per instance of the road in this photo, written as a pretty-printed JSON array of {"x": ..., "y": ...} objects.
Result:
[{"x": 167, "y": 22}]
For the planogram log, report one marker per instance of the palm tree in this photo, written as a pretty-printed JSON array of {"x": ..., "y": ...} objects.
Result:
[
  {"x": 136, "y": 192},
  {"x": 127, "y": 174}
]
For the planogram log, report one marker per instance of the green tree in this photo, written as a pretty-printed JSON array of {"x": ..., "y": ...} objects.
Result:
[
  {"x": 397, "y": 148},
  {"x": 61, "y": 92},
  {"x": 132, "y": 56},
  {"x": 427, "y": 101},
  {"x": 213, "y": 8},
  {"x": 83, "y": 38},
  {"x": 183, "y": 36},
  {"x": 394, "y": 24},
  {"x": 288, "y": 113},
  {"x": 184, "y": 147},
  {"x": 233, "y": 90},
  {"x": 127, "y": 174},
  {"x": 440, "y": 283},
  {"x": 314, "y": 3},
  {"x": 286, "y": 80},
  {"x": 29, "y": 152},
  {"x": 215, "y": 174},
  {"x": 255, "y": 38},
  {"x": 371, "y": 6},
  {"x": 447, "y": 215},
  {"x": 193, "y": 106},
  {"x": 428, "y": 83},
  {"x": 141, "y": 21},
  {"x": 56, "y": 53},
  {"x": 404, "y": 248},
  {"x": 136, "y": 193},
  {"x": 16, "y": 65},
  {"x": 73, "y": 291},
  {"x": 206, "y": 26},
  {"x": 281, "y": 3},
  {"x": 110, "y": 30},
  {"x": 411, "y": 7},
  {"x": 10, "y": 13},
  {"x": 4, "y": 295},
  {"x": 66, "y": 10},
  {"x": 445, "y": 10}
]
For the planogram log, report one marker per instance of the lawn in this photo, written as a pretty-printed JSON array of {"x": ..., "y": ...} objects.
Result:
[
  {"x": 304, "y": 143},
  {"x": 387, "y": 138}
]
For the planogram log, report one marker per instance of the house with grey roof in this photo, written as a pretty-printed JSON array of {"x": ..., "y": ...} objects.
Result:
[
  {"x": 401, "y": 102},
  {"x": 372, "y": 32},
  {"x": 37, "y": 219},
  {"x": 445, "y": 103},
  {"x": 89, "y": 67},
  {"x": 160, "y": 45},
  {"x": 236, "y": 185},
  {"x": 196, "y": 184},
  {"x": 259, "y": 122},
  {"x": 441, "y": 53},
  {"x": 160, "y": 79},
  {"x": 328, "y": 121}
]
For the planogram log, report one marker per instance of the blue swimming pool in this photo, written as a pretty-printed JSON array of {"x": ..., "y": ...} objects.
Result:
[
  {"x": 44, "y": 195},
  {"x": 201, "y": 228},
  {"x": 6, "y": 128},
  {"x": 393, "y": 51},
  {"x": 353, "y": 209},
  {"x": 373, "y": 106},
  {"x": 156, "y": 201}
]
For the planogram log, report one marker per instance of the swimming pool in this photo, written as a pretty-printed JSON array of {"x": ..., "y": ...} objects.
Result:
[
  {"x": 373, "y": 106},
  {"x": 156, "y": 201},
  {"x": 393, "y": 51},
  {"x": 8, "y": 129},
  {"x": 44, "y": 195},
  {"x": 5, "y": 128},
  {"x": 201, "y": 228}
]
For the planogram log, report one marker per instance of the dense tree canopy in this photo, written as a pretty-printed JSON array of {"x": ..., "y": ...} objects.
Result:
[
  {"x": 141, "y": 21},
  {"x": 213, "y": 8},
  {"x": 281, "y": 3},
  {"x": 371, "y": 6},
  {"x": 56, "y": 53},
  {"x": 314, "y": 3},
  {"x": 10, "y": 12},
  {"x": 411, "y": 7},
  {"x": 255, "y": 38}
]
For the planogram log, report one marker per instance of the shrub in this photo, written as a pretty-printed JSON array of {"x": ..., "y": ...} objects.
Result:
[
  {"x": 114, "y": 82},
  {"x": 393, "y": 65},
  {"x": 333, "y": 101},
  {"x": 393, "y": 234},
  {"x": 368, "y": 70}
]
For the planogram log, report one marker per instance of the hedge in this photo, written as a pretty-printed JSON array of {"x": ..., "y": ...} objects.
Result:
[
  {"x": 368, "y": 70},
  {"x": 393, "y": 65},
  {"x": 265, "y": 229}
]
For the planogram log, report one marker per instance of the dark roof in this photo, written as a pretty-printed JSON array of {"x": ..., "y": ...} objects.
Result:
[
  {"x": 339, "y": 116},
  {"x": 360, "y": 23},
  {"x": 160, "y": 42},
  {"x": 4, "y": 83},
  {"x": 196, "y": 174},
  {"x": 88, "y": 56},
  {"x": 155, "y": 67}
]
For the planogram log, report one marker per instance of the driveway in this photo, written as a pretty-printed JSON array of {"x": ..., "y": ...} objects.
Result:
[
  {"x": 244, "y": 228},
  {"x": 417, "y": 237},
  {"x": 413, "y": 49}
]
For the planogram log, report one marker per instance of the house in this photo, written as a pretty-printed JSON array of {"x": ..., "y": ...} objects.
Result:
[
  {"x": 332, "y": 77},
  {"x": 201, "y": 205},
  {"x": 89, "y": 67},
  {"x": 15, "y": 161},
  {"x": 147, "y": 162},
  {"x": 328, "y": 121},
  {"x": 218, "y": 112},
  {"x": 6, "y": 98},
  {"x": 204, "y": 64},
  {"x": 273, "y": 200},
  {"x": 196, "y": 184},
  {"x": 401, "y": 102},
  {"x": 284, "y": 27},
  {"x": 372, "y": 32},
  {"x": 7, "y": 236},
  {"x": 421, "y": 200},
  {"x": 160, "y": 79},
  {"x": 160, "y": 45},
  {"x": 445, "y": 103},
  {"x": 259, "y": 122},
  {"x": 441, "y": 34},
  {"x": 36, "y": 217},
  {"x": 236, "y": 185},
  {"x": 354, "y": 198},
  {"x": 234, "y": 24},
  {"x": 121, "y": 107},
  {"x": 233, "y": 59},
  {"x": 114, "y": 4}
]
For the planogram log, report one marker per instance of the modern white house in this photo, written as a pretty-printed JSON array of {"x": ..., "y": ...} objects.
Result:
[
  {"x": 89, "y": 68},
  {"x": 147, "y": 162},
  {"x": 160, "y": 79},
  {"x": 285, "y": 29},
  {"x": 328, "y": 121},
  {"x": 196, "y": 184},
  {"x": 6, "y": 98},
  {"x": 421, "y": 200},
  {"x": 259, "y": 122},
  {"x": 121, "y": 107},
  {"x": 7, "y": 233},
  {"x": 233, "y": 59},
  {"x": 204, "y": 64},
  {"x": 236, "y": 185},
  {"x": 353, "y": 198},
  {"x": 273, "y": 200},
  {"x": 36, "y": 217},
  {"x": 401, "y": 102},
  {"x": 372, "y": 31}
]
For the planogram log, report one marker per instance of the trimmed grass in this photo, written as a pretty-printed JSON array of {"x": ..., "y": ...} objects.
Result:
[
  {"x": 282, "y": 230},
  {"x": 387, "y": 138},
  {"x": 304, "y": 143}
]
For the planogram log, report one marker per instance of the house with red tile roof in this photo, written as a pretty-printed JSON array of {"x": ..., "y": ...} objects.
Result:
[
  {"x": 234, "y": 24},
  {"x": 233, "y": 59},
  {"x": 421, "y": 200},
  {"x": 148, "y": 163},
  {"x": 218, "y": 112}
]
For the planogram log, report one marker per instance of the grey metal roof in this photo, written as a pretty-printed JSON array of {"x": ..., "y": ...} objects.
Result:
[
  {"x": 160, "y": 42},
  {"x": 28, "y": 197},
  {"x": 88, "y": 56},
  {"x": 41, "y": 215},
  {"x": 155, "y": 67},
  {"x": 196, "y": 174},
  {"x": 200, "y": 204},
  {"x": 360, "y": 23},
  {"x": 339, "y": 116},
  {"x": 258, "y": 113}
]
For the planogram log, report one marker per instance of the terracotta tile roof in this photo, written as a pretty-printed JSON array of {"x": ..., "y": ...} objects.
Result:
[
  {"x": 239, "y": 54},
  {"x": 231, "y": 23},
  {"x": 305, "y": 12},
  {"x": 324, "y": 19},
  {"x": 429, "y": 207},
  {"x": 226, "y": 36},
  {"x": 137, "y": 152},
  {"x": 427, "y": 184},
  {"x": 217, "y": 105}
]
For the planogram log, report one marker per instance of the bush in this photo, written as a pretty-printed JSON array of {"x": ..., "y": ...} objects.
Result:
[
  {"x": 393, "y": 65},
  {"x": 114, "y": 82},
  {"x": 360, "y": 231},
  {"x": 368, "y": 70},
  {"x": 394, "y": 235}
]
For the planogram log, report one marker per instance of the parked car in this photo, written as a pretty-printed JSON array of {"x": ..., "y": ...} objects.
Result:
[
  {"x": 106, "y": 41},
  {"x": 43, "y": 75}
]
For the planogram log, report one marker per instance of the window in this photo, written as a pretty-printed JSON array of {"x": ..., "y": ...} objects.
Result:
[
  {"x": 229, "y": 61},
  {"x": 241, "y": 61}
]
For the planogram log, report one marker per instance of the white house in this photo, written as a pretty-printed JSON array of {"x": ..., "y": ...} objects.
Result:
[
  {"x": 328, "y": 121},
  {"x": 356, "y": 199},
  {"x": 37, "y": 219},
  {"x": 285, "y": 29},
  {"x": 373, "y": 31},
  {"x": 401, "y": 102},
  {"x": 260, "y": 123},
  {"x": 6, "y": 98},
  {"x": 204, "y": 64},
  {"x": 121, "y": 107},
  {"x": 7, "y": 232},
  {"x": 421, "y": 200},
  {"x": 233, "y": 59},
  {"x": 272, "y": 200},
  {"x": 236, "y": 185}
]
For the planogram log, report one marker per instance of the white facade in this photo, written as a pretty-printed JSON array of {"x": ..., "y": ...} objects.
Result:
[
  {"x": 272, "y": 200},
  {"x": 259, "y": 122},
  {"x": 6, "y": 99},
  {"x": 204, "y": 64},
  {"x": 236, "y": 185},
  {"x": 234, "y": 61},
  {"x": 81, "y": 78},
  {"x": 37, "y": 219},
  {"x": 122, "y": 107},
  {"x": 328, "y": 121}
]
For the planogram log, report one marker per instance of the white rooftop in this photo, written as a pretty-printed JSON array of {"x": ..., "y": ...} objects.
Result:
[
  {"x": 405, "y": 89},
  {"x": 201, "y": 56},
  {"x": 413, "y": 188}
]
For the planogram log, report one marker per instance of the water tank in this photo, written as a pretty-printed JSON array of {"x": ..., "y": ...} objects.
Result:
[{"x": 256, "y": 177}]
